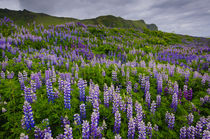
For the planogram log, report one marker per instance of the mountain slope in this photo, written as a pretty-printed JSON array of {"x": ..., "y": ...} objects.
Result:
[{"x": 25, "y": 16}]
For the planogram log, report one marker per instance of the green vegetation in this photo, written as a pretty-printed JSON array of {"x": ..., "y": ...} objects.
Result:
[
  {"x": 25, "y": 16},
  {"x": 48, "y": 72}
]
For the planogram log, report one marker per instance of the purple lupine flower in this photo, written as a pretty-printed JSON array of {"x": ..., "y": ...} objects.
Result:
[
  {"x": 67, "y": 95},
  {"x": 149, "y": 130},
  {"x": 155, "y": 127},
  {"x": 23, "y": 136},
  {"x": 139, "y": 112},
  {"x": 198, "y": 129},
  {"x": 81, "y": 90},
  {"x": 136, "y": 87},
  {"x": 129, "y": 87},
  {"x": 115, "y": 102},
  {"x": 174, "y": 101},
  {"x": 203, "y": 121},
  {"x": 166, "y": 91},
  {"x": 129, "y": 111},
  {"x": 139, "y": 116},
  {"x": 134, "y": 71},
  {"x": 117, "y": 136},
  {"x": 3, "y": 110},
  {"x": 206, "y": 99},
  {"x": 23, "y": 123},
  {"x": 110, "y": 93},
  {"x": 183, "y": 133},
  {"x": 68, "y": 132},
  {"x": 128, "y": 74},
  {"x": 57, "y": 93},
  {"x": 122, "y": 105},
  {"x": 28, "y": 116},
  {"x": 53, "y": 74},
  {"x": 4, "y": 64},
  {"x": 3, "y": 54},
  {"x": 202, "y": 101},
  {"x": 82, "y": 111},
  {"x": 76, "y": 75},
  {"x": 38, "y": 81},
  {"x": 114, "y": 75},
  {"x": 96, "y": 104},
  {"x": 85, "y": 129},
  {"x": 208, "y": 91},
  {"x": 131, "y": 128},
  {"x": 2, "y": 75},
  {"x": 171, "y": 121},
  {"x": 190, "y": 94},
  {"x": 147, "y": 99},
  {"x": 28, "y": 94},
  {"x": 105, "y": 87},
  {"x": 33, "y": 86},
  {"x": 147, "y": 86},
  {"x": 10, "y": 75},
  {"x": 29, "y": 64},
  {"x": 191, "y": 132},
  {"x": 176, "y": 88},
  {"x": 64, "y": 121},
  {"x": 122, "y": 70},
  {"x": 138, "y": 107},
  {"x": 130, "y": 101},
  {"x": 104, "y": 125},
  {"x": 50, "y": 92},
  {"x": 142, "y": 130},
  {"x": 190, "y": 118},
  {"x": 117, "y": 122},
  {"x": 67, "y": 66},
  {"x": 106, "y": 98},
  {"x": 99, "y": 132},
  {"x": 38, "y": 133},
  {"x": 158, "y": 100},
  {"x": 140, "y": 78},
  {"x": 60, "y": 136},
  {"x": 208, "y": 124},
  {"x": 153, "y": 107},
  {"x": 159, "y": 85},
  {"x": 117, "y": 90},
  {"x": 167, "y": 115},
  {"x": 77, "y": 120},
  {"x": 206, "y": 134},
  {"x": 60, "y": 84},
  {"x": 103, "y": 73},
  {"x": 186, "y": 94},
  {"x": 94, "y": 124},
  {"x": 22, "y": 84},
  {"x": 180, "y": 96},
  {"x": 20, "y": 76}
]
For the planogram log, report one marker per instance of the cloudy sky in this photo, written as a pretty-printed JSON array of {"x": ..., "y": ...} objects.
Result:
[{"x": 190, "y": 17}]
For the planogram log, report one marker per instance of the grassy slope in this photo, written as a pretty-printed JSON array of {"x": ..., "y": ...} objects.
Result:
[
  {"x": 23, "y": 17},
  {"x": 112, "y": 21}
]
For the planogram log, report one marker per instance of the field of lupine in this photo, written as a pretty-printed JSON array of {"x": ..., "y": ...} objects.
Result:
[{"x": 84, "y": 81}]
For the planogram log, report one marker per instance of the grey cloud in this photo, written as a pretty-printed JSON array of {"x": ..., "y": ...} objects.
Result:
[{"x": 10, "y": 4}]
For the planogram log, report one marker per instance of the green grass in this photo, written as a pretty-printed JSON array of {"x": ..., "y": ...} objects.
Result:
[{"x": 25, "y": 16}]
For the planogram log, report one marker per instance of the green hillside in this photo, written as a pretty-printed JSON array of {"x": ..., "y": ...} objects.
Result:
[{"x": 25, "y": 16}]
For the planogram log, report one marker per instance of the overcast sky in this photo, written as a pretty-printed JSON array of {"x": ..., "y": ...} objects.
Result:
[{"x": 191, "y": 17}]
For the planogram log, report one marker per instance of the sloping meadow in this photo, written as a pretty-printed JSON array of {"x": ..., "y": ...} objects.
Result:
[{"x": 85, "y": 81}]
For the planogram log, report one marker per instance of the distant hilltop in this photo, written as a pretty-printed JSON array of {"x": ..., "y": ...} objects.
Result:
[{"x": 25, "y": 16}]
